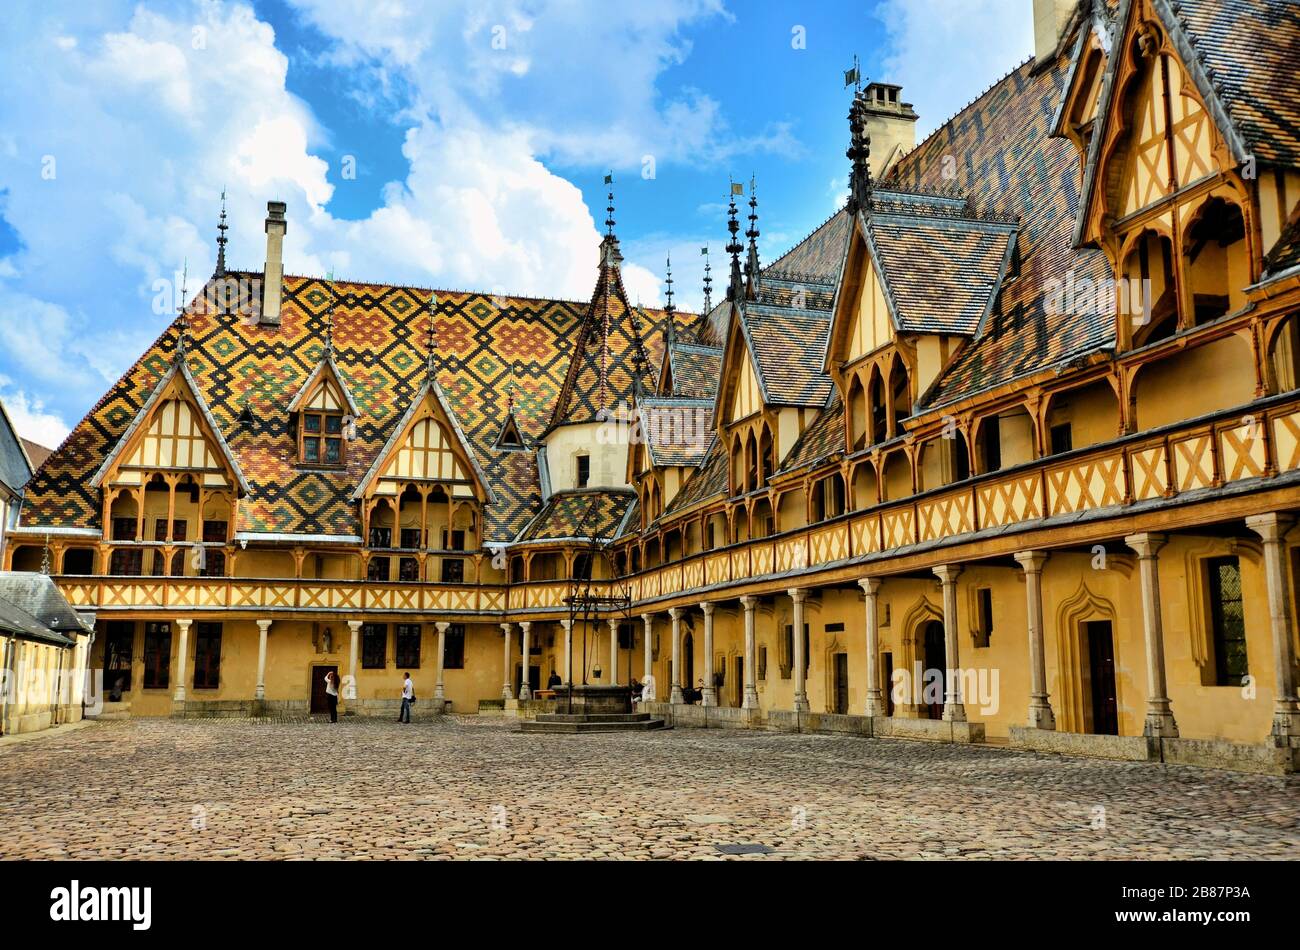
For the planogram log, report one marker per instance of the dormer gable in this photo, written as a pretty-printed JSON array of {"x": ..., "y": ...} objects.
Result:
[
  {"x": 324, "y": 415},
  {"x": 427, "y": 445},
  {"x": 174, "y": 430}
]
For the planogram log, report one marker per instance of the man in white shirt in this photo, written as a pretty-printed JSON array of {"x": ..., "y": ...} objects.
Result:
[{"x": 408, "y": 697}]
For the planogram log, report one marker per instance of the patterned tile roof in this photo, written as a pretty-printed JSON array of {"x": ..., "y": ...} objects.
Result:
[
  {"x": 787, "y": 345},
  {"x": 585, "y": 513},
  {"x": 708, "y": 481},
  {"x": 1249, "y": 45},
  {"x": 1007, "y": 163},
  {"x": 484, "y": 345},
  {"x": 677, "y": 431},
  {"x": 694, "y": 369},
  {"x": 819, "y": 255},
  {"x": 823, "y": 438},
  {"x": 942, "y": 271}
]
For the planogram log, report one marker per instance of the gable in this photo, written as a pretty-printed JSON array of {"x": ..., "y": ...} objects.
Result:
[
  {"x": 747, "y": 398},
  {"x": 172, "y": 431},
  {"x": 862, "y": 320}
]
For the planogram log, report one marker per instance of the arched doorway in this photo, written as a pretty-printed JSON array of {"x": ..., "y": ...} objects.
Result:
[
  {"x": 688, "y": 661},
  {"x": 936, "y": 658}
]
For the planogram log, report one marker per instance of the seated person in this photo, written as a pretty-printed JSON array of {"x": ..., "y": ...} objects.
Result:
[{"x": 553, "y": 681}]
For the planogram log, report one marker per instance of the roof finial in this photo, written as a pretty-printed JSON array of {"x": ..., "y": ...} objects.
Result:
[
  {"x": 668, "y": 280},
  {"x": 751, "y": 265},
  {"x": 609, "y": 220},
  {"x": 329, "y": 315},
  {"x": 182, "y": 320},
  {"x": 859, "y": 156},
  {"x": 708, "y": 281},
  {"x": 735, "y": 287},
  {"x": 222, "y": 228},
  {"x": 853, "y": 77}
]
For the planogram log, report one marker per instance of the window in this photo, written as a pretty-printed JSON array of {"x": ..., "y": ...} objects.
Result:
[
  {"x": 787, "y": 664},
  {"x": 381, "y": 537},
  {"x": 456, "y": 539},
  {"x": 411, "y": 538},
  {"x": 207, "y": 655},
  {"x": 453, "y": 570},
  {"x": 119, "y": 640},
  {"x": 157, "y": 655},
  {"x": 214, "y": 562},
  {"x": 320, "y": 438},
  {"x": 408, "y": 646},
  {"x": 377, "y": 569},
  {"x": 582, "y": 567},
  {"x": 584, "y": 470},
  {"x": 374, "y": 646},
  {"x": 991, "y": 443},
  {"x": 179, "y": 531},
  {"x": 126, "y": 562},
  {"x": 984, "y": 616},
  {"x": 123, "y": 529},
  {"x": 837, "y": 627},
  {"x": 1062, "y": 440},
  {"x": 454, "y": 653},
  {"x": 408, "y": 569},
  {"x": 626, "y": 636},
  {"x": 1228, "y": 621}
]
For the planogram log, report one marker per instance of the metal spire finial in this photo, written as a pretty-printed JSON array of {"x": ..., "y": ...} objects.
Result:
[
  {"x": 609, "y": 220},
  {"x": 751, "y": 265},
  {"x": 222, "y": 228},
  {"x": 708, "y": 280},
  {"x": 182, "y": 320},
  {"x": 735, "y": 287},
  {"x": 433, "y": 338},
  {"x": 329, "y": 315},
  {"x": 668, "y": 280},
  {"x": 859, "y": 156}
]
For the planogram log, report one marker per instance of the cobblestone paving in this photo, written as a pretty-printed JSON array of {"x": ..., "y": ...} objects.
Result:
[{"x": 475, "y": 788}]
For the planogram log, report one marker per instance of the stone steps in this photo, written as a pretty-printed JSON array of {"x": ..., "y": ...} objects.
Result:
[{"x": 608, "y": 722}]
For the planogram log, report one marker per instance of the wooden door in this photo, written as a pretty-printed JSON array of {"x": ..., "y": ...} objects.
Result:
[
  {"x": 841, "y": 683},
  {"x": 888, "y": 685},
  {"x": 936, "y": 658},
  {"x": 318, "y": 702},
  {"x": 1103, "y": 707},
  {"x": 738, "y": 666}
]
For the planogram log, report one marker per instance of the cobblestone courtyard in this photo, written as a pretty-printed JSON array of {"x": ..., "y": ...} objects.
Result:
[{"x": 475, "y": 788}]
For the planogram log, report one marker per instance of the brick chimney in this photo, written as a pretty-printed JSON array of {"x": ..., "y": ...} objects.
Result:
[
  {"x": 273, "y": 280},
  {"x": 1050, "y": 20},
  {"x": 891, "y": 124}
]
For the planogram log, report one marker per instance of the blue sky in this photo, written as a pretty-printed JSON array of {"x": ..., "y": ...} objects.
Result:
[{"x": 479, "y": 133}]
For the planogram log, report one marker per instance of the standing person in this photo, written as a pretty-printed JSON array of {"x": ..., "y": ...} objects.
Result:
[
  {"x": 332, "y": 694},
  {"x": 408, "y": 697},
  {"x": 648, "y": 688}
]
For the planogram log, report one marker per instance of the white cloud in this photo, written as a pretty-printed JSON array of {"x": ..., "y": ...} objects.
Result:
[
  {"x": 946, "y": 52},
  {"x": 30, "y": 418}
]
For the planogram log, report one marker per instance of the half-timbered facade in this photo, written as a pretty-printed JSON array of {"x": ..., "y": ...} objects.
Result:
[{"x": 1009, "y": 446}]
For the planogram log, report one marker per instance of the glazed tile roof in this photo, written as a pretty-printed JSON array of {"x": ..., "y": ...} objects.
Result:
[
  {"x": 942, "y": 269},
  {"x": 823, "y": 438},
  {"x": 1250, "y": 45},
  {"x": 819, "y": 255},
  {"x": 787, "y": 346},
  {"x": 1006, "y": 163},
  {"x": 708, "y": 481},
  {"x": 694, "y": 369},
  {"x": 484, "y": 345},
  {"x": 677, "y": 431},
  {"x": 585, "y": 513}
]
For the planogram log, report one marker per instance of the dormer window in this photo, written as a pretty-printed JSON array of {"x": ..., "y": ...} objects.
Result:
[{"x": 320, "y": 438}]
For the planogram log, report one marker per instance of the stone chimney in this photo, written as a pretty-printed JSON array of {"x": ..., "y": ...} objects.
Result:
[
  {"x": 1050, "y": 19},
  {"x": 891, "y": 126},
  {"x": 273, "y": 279}
]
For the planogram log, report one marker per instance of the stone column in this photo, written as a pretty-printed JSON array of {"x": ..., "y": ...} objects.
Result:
[
  {"x": 1160, "y": 717},
  {"x": 1286, "y": 709},
  {"x": 525, "y": 628},
  {"x": 875, "y": 697},
  {"x": 613, "y": 651},
  {"x": 648, "y": 620},
  {"x": 350, "y": 693},
  {"x": 751, "y": 655},
  {"x": 1040, "y": 709},
  {"x": 710, "y": 692},
  {"x": 954, "y": 710},
  {"x": 262, "y": 627},
  {"x": 182, "y": 658},
  {"x": 676, "y": 614},
  {"x": 800, "y": 661},
  {"x": 438, "y": 691},
  {"x": 507, "y": 639},
  {"x": 567, "y": 658}
]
